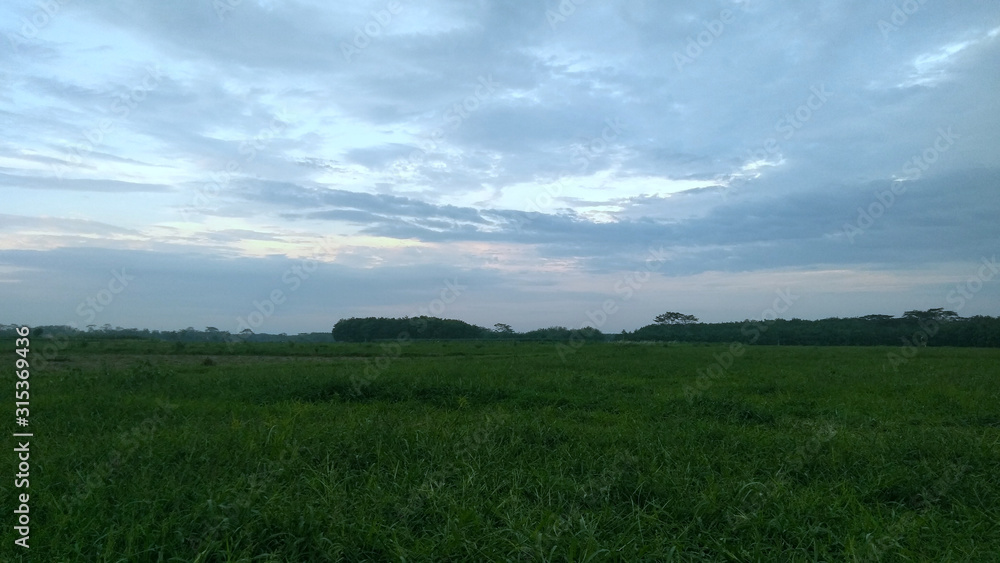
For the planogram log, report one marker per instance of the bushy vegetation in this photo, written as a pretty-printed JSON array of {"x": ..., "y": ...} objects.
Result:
[
  {"x": 934, "y": 327},
  {"x": 504, "y": 451},
  {"x": 920, "y": 328},
  {"x": 368, "y": 329},
  {"x": 373, "y": 329},
  {"x": 561, "y": 334},
  {"x": 187, "y": 335}
]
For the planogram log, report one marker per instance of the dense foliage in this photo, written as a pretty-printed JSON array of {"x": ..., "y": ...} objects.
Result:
[
  {"x": 189, "y": 334},
  {"x": 933, "y": 327},
  {"x": 561, "y": 333},
  {"x": 863, "y": 331},
  {"x": 368, "y": 329}
]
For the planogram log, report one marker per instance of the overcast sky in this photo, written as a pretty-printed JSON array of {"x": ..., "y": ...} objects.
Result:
[{"x": 190, "y": 163}]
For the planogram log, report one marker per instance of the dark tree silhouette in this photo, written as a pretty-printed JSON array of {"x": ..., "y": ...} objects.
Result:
[{"x": 672, "y": 318}]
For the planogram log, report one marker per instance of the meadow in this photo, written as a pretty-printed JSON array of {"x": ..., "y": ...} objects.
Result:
[{"x": 505, "y": 451}]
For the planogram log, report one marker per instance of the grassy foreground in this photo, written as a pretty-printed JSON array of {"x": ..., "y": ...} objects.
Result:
[{"x": 505, "y": 451}]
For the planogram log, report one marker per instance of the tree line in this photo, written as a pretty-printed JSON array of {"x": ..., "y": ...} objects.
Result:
[
  {"x": 933, "y": 327},
  {"x": 189, "y": 334},
  {"x": 368, "y": 329}
]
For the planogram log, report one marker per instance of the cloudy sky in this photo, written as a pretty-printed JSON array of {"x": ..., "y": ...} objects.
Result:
[{"x": 289, "y": 163}]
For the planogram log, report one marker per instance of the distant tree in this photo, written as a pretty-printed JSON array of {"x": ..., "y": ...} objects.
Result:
[
  {"x": 937, "y": 314},
  {"x": 211, "y": 329},
  {"x": 501, "y": 328},
  {"x": 423, "y": 327},
  {"x": 673, "y": 318}
]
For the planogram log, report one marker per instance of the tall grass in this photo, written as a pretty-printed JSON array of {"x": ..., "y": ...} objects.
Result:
[{"x": 503, "y": 451}]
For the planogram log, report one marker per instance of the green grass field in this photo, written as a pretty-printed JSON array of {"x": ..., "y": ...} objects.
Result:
[{"x": 506, "y": 452}]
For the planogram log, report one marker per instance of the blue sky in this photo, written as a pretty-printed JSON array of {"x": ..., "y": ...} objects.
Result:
[{"x": 189, "y": 163}]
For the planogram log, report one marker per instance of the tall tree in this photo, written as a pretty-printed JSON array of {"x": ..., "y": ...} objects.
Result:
[{"x": 674, "y": 318}]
